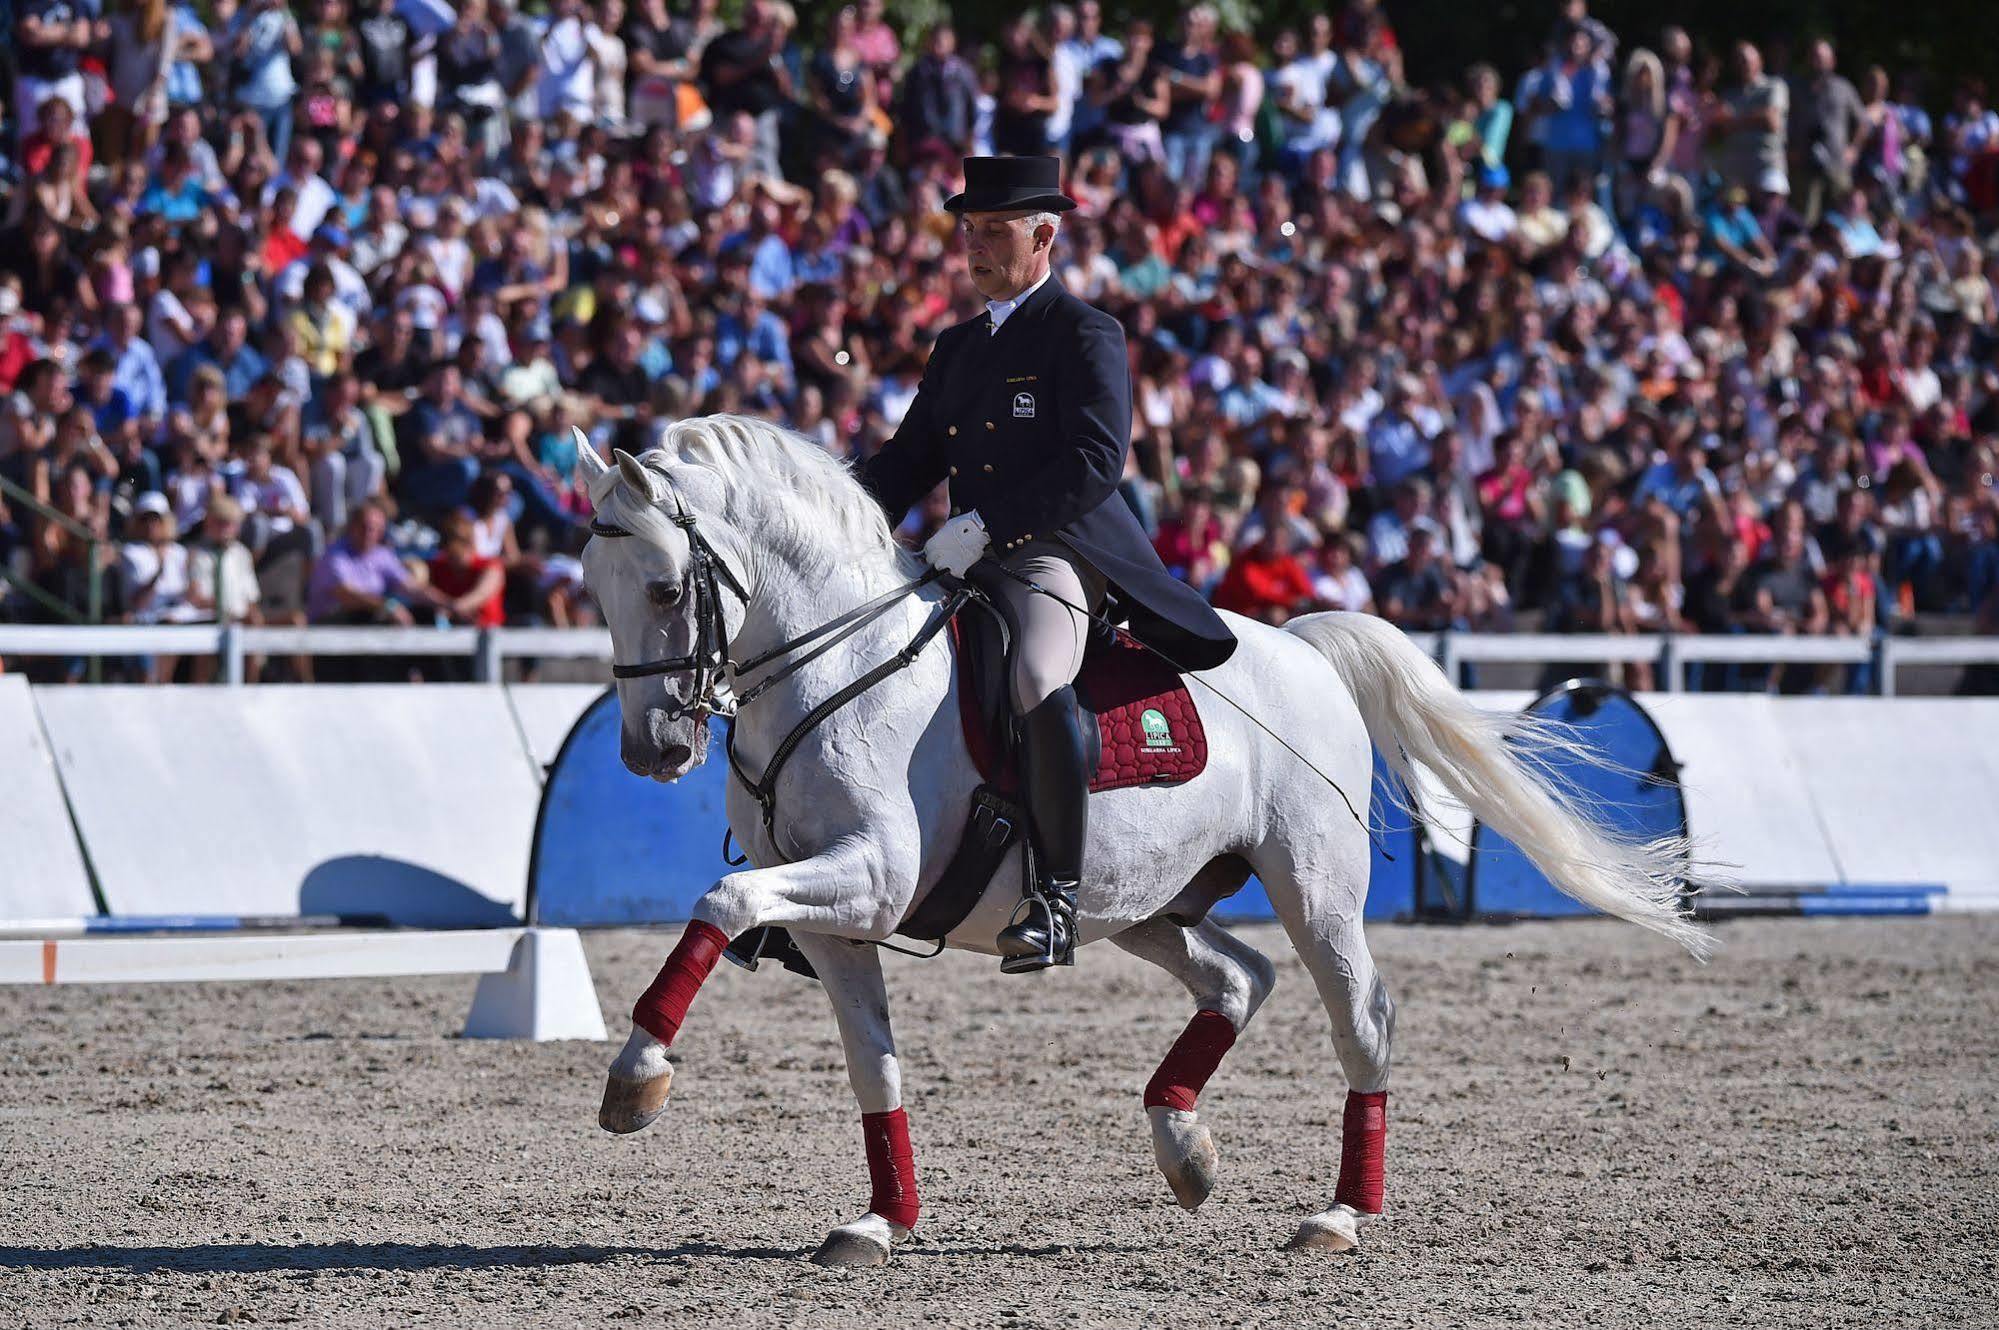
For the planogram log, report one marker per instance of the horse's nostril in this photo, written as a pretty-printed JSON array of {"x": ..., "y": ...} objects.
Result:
[{"x": 674, "y": 755}]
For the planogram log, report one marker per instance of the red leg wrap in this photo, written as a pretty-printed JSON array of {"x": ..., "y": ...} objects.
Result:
[
  {"x": 891, "y": 1167},
  {"x": 1192, "y": 1059},
  {"x": 1363, "y": 1136},
  {"x": 663, "y": 1007}
]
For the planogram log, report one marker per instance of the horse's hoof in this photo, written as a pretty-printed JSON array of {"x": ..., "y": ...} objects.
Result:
[
  {"x": 865, "y": 1242},
  {"x": 1186, "y": 1155},
  {"x": 1334, "y": 1230},
  {"x": 631, "y": 1106}
]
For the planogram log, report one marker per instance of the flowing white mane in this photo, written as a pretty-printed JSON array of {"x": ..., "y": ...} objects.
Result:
[
  {"x": 769, "y": 471},
  {"x": 779, "y": 485}
]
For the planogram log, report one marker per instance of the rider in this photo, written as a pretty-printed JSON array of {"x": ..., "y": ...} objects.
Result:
[{"x": 1025, "y": 413}]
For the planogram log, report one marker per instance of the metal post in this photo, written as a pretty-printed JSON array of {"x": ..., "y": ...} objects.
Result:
[
  {"x": 230, "y": 648},
  {"x": 488, "y": 665},
  {"x": 1884, "y": 665},
  {"x": 1669, "y": 665},
  {"x": 1447, "y": 656},
  {"x": 96, "y": 604}
]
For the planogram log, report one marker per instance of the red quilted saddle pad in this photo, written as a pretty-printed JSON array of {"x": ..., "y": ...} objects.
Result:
[{"x": 1151, "y": 730}]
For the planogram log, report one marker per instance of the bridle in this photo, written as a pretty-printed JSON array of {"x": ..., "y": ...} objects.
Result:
[{"x": 710, "y": 663}]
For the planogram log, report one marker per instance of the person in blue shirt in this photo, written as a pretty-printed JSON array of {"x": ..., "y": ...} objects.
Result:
[
  {"x": 1854, "y": 222},
  {"x": 1733, "y": 234},
  {"x": 227, "y": 347},
  {"x": 110, "y": 406},
  {"x": 1573, "y": 102},
  {"x": 754, "y": 330},
  {"x": 772, "y": 273},
  {"x": 1683, "y": 481},
  {"x": 176, "y": 194},
  {"x": 137, "y": 371},
  {"x": 1493, "y": 121},
  {"x": 259, "y": 47}
]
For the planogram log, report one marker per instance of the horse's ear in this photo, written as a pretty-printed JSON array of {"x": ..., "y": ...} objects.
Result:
[
  {"x": 590, "y": 463},
  {"x": 597, "y": 476},
  {"x": 636, "y": 475}
]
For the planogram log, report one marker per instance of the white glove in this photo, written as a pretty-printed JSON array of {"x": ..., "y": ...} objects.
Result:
[{"x": 957, "y": 544}]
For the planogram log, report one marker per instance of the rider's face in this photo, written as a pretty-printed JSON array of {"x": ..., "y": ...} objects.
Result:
[{"x": 1005, "y": 256}]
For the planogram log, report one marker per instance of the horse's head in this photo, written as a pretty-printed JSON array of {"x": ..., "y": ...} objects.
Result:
[{"x": 667, "y": 621}]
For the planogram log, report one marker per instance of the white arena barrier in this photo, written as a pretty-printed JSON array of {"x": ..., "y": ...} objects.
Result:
[
  {"x": 1905, "y": 789},
  {"x": 534, "y": 982},
  {"x": 1748, "y": 799},
  {"x": 42, "y": 872},
  {"x": 414, "y": 803},
  {"x": 547, "y": 712},
  {"x": 1812, "y": 795}
]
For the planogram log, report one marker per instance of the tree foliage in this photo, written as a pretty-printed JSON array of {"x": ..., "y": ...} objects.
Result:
[{"x": 1943, "y": 40}]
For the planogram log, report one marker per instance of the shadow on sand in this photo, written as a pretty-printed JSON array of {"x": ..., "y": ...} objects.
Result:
[{"x": 255, "y": 1257}]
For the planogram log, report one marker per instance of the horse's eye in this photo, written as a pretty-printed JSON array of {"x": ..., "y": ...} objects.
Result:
[{"x": 663, "y": 593}]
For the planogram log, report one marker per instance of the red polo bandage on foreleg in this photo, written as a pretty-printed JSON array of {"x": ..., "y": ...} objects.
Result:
[
  {"x": 663, "y": 1007},
  {"x": 891, "y": 1167},
  {"x": 1363, "y": 1138},
  {"x": 1192, "y": 1059}
]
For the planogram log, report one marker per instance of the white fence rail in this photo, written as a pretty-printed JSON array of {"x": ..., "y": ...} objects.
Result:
[{"x": 490, "y": 648}]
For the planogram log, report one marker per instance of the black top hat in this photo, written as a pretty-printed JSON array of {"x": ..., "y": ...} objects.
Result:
[{"x": 1011, "y": 184}]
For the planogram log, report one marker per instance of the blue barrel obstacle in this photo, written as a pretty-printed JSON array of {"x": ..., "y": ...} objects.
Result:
[
  {"x": 612, "y": 849},
  {"x": 1636, "y": 792}
]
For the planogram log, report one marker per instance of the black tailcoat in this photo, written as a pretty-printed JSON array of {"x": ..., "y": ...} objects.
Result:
[{"x": 1030, "y": 426}]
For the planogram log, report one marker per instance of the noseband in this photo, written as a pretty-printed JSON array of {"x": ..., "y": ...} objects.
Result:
[{"x": 709, "y": 661}]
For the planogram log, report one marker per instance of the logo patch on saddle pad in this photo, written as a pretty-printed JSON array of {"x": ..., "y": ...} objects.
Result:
[
  {"x": 1023, "y": 405},
  {"x": 1158, "y": 734}
]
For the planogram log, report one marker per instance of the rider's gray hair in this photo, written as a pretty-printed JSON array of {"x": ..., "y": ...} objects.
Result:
[{"x": 1038, "y": 219}]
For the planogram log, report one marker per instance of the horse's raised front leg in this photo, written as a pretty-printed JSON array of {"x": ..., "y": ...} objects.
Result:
[
  {"x": 1228, "y": 979},
  {"x": 852, "y": 978},
  {"x": 840, "y": 892}
]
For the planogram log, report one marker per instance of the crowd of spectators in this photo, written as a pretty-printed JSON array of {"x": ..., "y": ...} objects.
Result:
[{"x": 297, "y": 307}]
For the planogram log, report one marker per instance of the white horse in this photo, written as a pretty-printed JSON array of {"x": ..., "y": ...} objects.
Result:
[{"x": 871, "y": 804}]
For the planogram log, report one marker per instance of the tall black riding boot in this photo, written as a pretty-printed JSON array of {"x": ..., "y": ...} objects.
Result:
[{"x": 1055, "y": 768}]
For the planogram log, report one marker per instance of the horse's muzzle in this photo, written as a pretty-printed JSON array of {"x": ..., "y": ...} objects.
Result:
[{"x": 665, "y": 749}]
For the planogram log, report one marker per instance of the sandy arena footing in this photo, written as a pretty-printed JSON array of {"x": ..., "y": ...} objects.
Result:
[{"x": 1586, "y": 1129}]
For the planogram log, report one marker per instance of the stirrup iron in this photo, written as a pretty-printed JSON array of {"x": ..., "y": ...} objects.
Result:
[{"x": 1041, "y": 933}]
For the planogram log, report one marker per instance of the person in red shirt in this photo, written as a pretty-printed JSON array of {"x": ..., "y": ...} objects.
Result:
[
  {"x": 55, "y": 123},
  {"x": 1267, "y": 581},
  {"x": 474, "y": 586},
  {"x": 17, "y": 345},
  {"x": 1189, "y": 544},
  {"x": 282, "y": 246}
]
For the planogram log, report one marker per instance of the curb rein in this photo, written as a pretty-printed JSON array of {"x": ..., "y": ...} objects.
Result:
[{"x": 709, "y": 661}]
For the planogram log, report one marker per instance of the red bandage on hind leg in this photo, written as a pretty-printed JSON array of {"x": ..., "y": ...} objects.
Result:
[
  {"x": 891, "y": 1167},
  {"x": 662, "y": 1007},
  {"x": 1363, "y": 1138},
  {"x": 1192, "y": 1059}
]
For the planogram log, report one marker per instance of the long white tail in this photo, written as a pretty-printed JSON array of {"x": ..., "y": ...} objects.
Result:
[{"x": 1413, "y": 714}]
